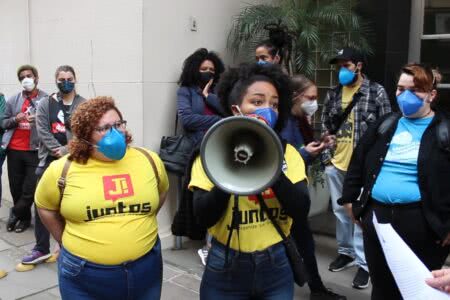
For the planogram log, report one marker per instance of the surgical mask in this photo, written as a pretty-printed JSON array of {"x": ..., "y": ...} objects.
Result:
[
  {"x": 205, "y": 77},
  {"x": 409, "y": 103},
  {"x": 346, "y": 77},
  {"x": 28, "y": 84},
  {"x": 310, "y": 107},
  {"x": 113, "y": 144},
  {"x": 263, "y": 62},
  {"x": 65, "y": 86}
]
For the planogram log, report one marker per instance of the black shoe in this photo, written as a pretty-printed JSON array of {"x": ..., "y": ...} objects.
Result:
[
  {"x": 361, "y": 280},
  {"x": 12, "y": 221},
  {"x": 22, "y": 226},
  {"x": 341, "y": 262},
  {"x": 325, "y": 294}
]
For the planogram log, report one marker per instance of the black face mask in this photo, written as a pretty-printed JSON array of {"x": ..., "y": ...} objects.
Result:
[{"x": 205, "y": 77}]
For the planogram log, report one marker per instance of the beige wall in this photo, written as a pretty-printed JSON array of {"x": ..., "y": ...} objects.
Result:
[{"x": 130, "y": 49}]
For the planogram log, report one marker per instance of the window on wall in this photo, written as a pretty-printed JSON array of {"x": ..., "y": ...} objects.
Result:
[
  {"x": 435, "y": 40},
  {"x": 435, "y": 44}
]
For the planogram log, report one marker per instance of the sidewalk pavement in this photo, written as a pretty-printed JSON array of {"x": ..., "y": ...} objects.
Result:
[{"x": 181, "y": 276}]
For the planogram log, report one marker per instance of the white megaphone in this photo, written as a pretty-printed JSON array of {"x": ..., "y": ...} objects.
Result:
[{"x": 242, "y": 155}]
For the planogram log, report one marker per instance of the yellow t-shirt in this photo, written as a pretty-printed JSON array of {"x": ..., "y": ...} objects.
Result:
[
  {"x": 345, "y": 135},
  {"x": 109, "y": 207},
  {"x": 256, "y": 232}
]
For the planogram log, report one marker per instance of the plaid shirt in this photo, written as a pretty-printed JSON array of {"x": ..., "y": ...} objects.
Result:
[{"x": 372, "y": 103}]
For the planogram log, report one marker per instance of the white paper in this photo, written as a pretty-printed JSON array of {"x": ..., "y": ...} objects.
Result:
[{"x": 408, "y": 270}]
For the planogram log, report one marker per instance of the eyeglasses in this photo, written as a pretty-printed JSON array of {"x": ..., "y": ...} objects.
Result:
[{"x": 122, "y": 124}]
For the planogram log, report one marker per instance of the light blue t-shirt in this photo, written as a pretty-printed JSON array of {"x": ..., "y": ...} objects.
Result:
[{"x": 397, "y": 182}]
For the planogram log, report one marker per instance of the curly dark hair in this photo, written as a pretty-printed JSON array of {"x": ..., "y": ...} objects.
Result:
[
  {"x": 234, "y": 84},
  {"x": 83, "y": 122},
  {"x": 190, "y": 75}
]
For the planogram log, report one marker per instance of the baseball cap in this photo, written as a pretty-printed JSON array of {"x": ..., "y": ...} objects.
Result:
[{"x": 347, "y": 54}]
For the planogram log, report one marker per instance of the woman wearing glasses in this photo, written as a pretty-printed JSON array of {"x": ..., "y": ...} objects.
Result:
[{"x": 105, "y": 216}]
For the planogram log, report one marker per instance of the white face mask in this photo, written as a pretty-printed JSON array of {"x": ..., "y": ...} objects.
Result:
[
  {"x": 310, "y": 107},
  {"x": 28, "y": 84}
]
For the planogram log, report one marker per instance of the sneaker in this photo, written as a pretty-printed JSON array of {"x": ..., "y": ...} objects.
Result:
[
  {"x": 341, "y": 262},
  {"x": 203, "y": 253},
  {"x": 12, "y": 221},
  {"x": 325, "y": 294},
  {"x": 361, "y": 280},
  {"x": 22, "y": 226},
  {"x": 35, "y": 257}
]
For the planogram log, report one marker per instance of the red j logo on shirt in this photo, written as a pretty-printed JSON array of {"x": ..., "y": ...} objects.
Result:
[{"x": 117, "y": 186}]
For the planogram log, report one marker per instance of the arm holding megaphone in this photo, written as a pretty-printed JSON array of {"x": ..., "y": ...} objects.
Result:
[
  {"x": 294, "y": 197},
  {"x": 210, "y": 206}
]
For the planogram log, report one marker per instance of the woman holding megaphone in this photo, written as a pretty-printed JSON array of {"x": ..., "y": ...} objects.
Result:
[{"x": 252, "y": 261}]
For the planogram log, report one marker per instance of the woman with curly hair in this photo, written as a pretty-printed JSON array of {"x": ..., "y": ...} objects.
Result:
[
  {"x": 197, "y": 105},
  {"x": 100, "y": 203},
  {"x": 252, "y": 263}
]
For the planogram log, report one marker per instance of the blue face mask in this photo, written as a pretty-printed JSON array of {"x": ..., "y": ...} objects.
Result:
[
  {"x": 263, "y": 63},
  {"x": 113, "y": 144},
  {"x": 66, "y": 86},
  {"x": 409, "y": 103},
  {"x": 346, "y": 76},
  {"x": 268, "y": 114}
]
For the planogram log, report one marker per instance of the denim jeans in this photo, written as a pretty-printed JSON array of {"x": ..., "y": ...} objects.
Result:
[
  {"x": 258, "y": 275},
  {"x": 348, "y": 235},
  {"x": 80, "y": 279}
]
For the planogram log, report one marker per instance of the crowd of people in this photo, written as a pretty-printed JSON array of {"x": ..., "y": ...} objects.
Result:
[{"x": 94, "y": 193}]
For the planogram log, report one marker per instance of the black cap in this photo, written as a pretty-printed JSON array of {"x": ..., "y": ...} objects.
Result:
[{"x": 347, "y": 54}]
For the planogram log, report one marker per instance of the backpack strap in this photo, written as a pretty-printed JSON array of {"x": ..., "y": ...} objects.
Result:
[
  {"x": 443, "y": 135},
  {"x": 387, "y": 124},
  {"x": 151, "y": 161},
  {"x": 62, "y": 179}
]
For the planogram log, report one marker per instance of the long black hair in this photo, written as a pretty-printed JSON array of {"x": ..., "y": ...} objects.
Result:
[
  {"x": 190, "y": 75},
  {"x": 234, "y": 84}
]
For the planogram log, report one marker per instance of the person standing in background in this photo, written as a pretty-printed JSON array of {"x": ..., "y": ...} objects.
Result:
[
  {"x": 54, "y": 131},
  {"x": 197, "y": 105},
  {"x": 299, "y": 133},
  {"x": 348, "y": 111},
  {"x": 21, "y": 143}
]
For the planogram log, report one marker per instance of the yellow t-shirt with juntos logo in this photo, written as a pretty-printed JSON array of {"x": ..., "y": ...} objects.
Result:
[
  {"x": 256, "y": 231},
  {"x": 346, "y": 134},
  {"x": 109, "y": 207}
]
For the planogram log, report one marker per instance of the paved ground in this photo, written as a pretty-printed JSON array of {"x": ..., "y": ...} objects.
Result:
[{"x": 182, "y": 270}]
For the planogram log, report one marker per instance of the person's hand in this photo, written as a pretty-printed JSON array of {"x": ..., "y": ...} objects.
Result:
[
  {"x": 58, "y": 152},
  {"x": 329, "y": 140},
  {"x": 440, "y": 280},
  {"x": 314, "y": 148},
  {"x": 20, "y": 117},
  {"x": 205, "y": 91},
  {"x": 446, "y": 241},
  {"x": 348, "y": 208},
  {"x": 30, "y": 118}
]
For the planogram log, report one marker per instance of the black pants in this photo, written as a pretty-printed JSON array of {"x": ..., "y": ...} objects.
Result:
[
  {"x": 40, "y": 231},
  {"x": 410, "y": 224},
  {"x": 22, "y": 181},
  {"x": 304, "y": 240}
]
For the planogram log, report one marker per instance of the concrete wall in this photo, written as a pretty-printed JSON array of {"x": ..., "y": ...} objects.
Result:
[{"x": 130, "y": 49}]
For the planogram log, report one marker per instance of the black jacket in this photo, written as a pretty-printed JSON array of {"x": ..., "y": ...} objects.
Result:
[{"x": 433, "y": 172}]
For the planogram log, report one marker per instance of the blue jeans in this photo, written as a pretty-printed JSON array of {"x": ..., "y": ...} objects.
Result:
[
  {"x": 259, "y": 275},
  {"x": 348, "y": 235},
  {"x": 82, "y": 280}
]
